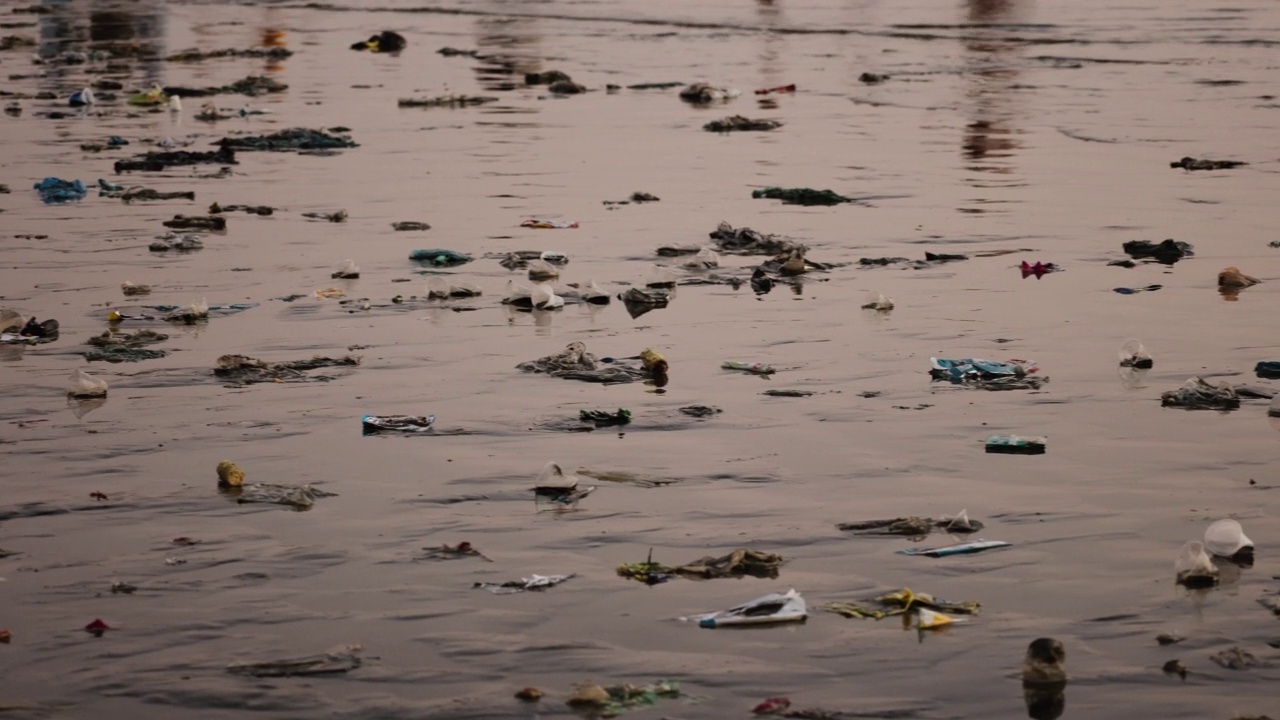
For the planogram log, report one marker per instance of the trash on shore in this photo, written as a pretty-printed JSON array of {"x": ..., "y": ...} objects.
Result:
[
  {"x": 770, "y": 609},
  {"x": 1268, "y": 369},
  {"x": 614, "y": 699},
  {"x": 914, "y": 527},
  {"x": 549, "y": 224},
  {"x": 1232, "y": 279},
  {"x": 85, "y": 386},
  {"x": 1039, "y": 269},
  {"x": 877, "y": 302},
  {"x": 171, "y": 241},
  {"x": 756, "y": 368},
  {"x": 230, "y": 475},
  {"x": 1135, "y": 355},
  {"x": 242, "y": 370},
  {"x": 745, "y": 241},
  {"x": 899, "y": 603},
  {"x": 930, "y": 260},
  {"x": 195, "y": 55},
  {"x": 575, "y": 363},
  {"x": 870, "y": 78},
  {"x": 705, "y": 259},
  {"x": 1198, "y": 394},
  {"x": 252, "y": 86},
  {"x": 453, "y": 552},
  {"x": 1135, "y": 291},
  {"x": 6, "y": 637},
  {"x": 604, "y": 418},
  {"x": 593, "y": 294},
  {"x": 700, "y": 411},
  {"x": 777, "y": 89},
  {"x": 145, "y": 194},
  {"x": 290, "y": 140},
  {"x": 450, "y": 101},
  {"x": 788, "y": 393},
  {"x": 56, "y": 190},
  {"x": 639, "y": 301},
  {"x": 1043, "y": 663},
  {"x": 772, "y": 706},
  {"x": 383, "y": 42},
  {"x": 261, "y": 210},
  {"x": 988, "y": 374},
  {"x": 554, "y": 489},
  {"x": 335, "y": 661},
  {"x": 122, "y": 353},
  {"x": 205, "y": 223},
  {"x": 1190, "y": 163},
  {"x": 439, "y": 288},
  {"x": 409, "y": 226},
  {"x": 195, "y": 312},
  {"x": 967, "y": 548},
  {"x": 13, "y": 331},
  {"x": 158, "y": 161},
  {"x": 529, "y": 694},
  {"x": 740, "y": 563},
  {"x": 1193, "y": 567},
  {"x": 701, "y": 93},
  {"x": 801, "y": 196},
  {"x": 1016, "y": 444},
  {"x": 739, "y": 123},
  {"x": 1226, "y": 539},
  {"x": 1237, "y": 658},
  {"x": 436, "y": 257},
  {"x": 298, "y": 497},
  {"x": 540, "y": 270},
  {"x": 346, "y": 270},
  {"x": 1169, "y": 638},
  {"x": 533, "y": 583},
  {"x": 97, "y": 628},
  {"x": 373, "y": 424},
  {"x": 1166, "y": 252},
  {"x": 637, "y": 197}
]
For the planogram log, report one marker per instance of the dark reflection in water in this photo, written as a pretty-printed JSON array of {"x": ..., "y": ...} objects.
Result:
[
  {"x": 125, "y": 30},
  {"x": 990, "y": 138},
  {"x": 508, "y": 48},
  {"x": 771, "y": 69}
]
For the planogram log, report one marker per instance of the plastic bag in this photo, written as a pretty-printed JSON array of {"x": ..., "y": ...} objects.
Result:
[
  {"x": 542, "y": 270},
  {"x": 555, "y": 257},
  {"x": 661, "y": 278},
  {"x": 1225, "y": 538},
  {"x": 594, "y": 295},
  {"x": 10, "y": 320},
  {"x": 544, "y": 298},
  {"x": 553, "y": 477},
  {"x": 439, "y": 288},
  {"x": 346, "y": 270},
  {"x": 878, "y": 301},
  {"x": 84, "y": 385},
  {"x": 772, "y": 608},
  {"x": 1133, "y": 354},
  {"x": 706, "y": 259},
  {"x": 1194, "y": 568},
  {"x": 519, "y": 295},
  {"x": 198, "y": 310}
]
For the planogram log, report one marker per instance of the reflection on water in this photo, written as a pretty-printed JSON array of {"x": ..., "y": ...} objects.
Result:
[
  {"x": 509, "y": 48},
  {"x": 125, "y": 30},
  {"x": 990, "y": 139}
]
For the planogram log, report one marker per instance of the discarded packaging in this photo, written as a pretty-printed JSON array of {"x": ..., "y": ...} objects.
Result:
[
  {"x": 196, "y": 311},
  {"x": 593, "y": 294},
  {"x": 339, "y": 216},
  {"x": 1225, "y": 538},
  {"x": 346, "y": 270},
  {"x": 230, "y": 475},
  {"x": 438, "y": 288},
  {"x": 1016, "y": 444},
  {"x": 604, "y": 418},
  {"x": 801, "y": 196},
  {"x": 745, "y": 241},
  {"x": 372, "y": 424},
  {"x": 771, "y": 609},
  {"x": 206, "y": 223},
  {"x": 1193, "y": 567},
  {"x": 97, "y": 628},
  {"x": 1190, "y": 163},
  {"x": 1134, "y": 354},
  {"x": 772, "y": 706},
  {"x": 1237, "y": 658},
  {"x": 384, "y": 42},
  {"x": 532, "y": 583},
  {"x": 55, "y": 190},
  {"x": 1267, "y": 369},
  {"x": 575, "y": 363},
  {"x": 754, "y": 368},
  {"x": 85, "y": 386},
  {"x": 1197, "y": 394},
  {"x": 1232, "y": 278},
  {"x": 640, "y": 301},
  {"x": 987, "y": 374},
  {"x": 877, "y": 302},
  {"x": 549, "y": 224},
  {"x": 289, "y": 140},
  {"x": 1167, "y": 252},
  {"x": 542, "y": 270},
  {"x": 409, "y": 226},
  {"x": 930, "y": 620},
  {"x": 182, "y": 243},
  {"x": 336, "y": 661},
  {"x": 968, "y": 548},
  {"x": 453, "y": 552},
  {"x": 1043, "y": 663},
  {"x": 1039, "y": 269},
  {"x": 298, "y": 497},
  {"x": 913, "y": 526},
  {"x": 703, "y": 93},
  {"x": 440, "y": 258},
  {"x": 899, "y": 603},
  {"x": 242, "y": 370},
  {"x": 738, "y": 123}
]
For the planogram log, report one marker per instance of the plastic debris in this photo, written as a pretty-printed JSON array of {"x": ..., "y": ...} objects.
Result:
[
  {"x": 745, "y": 241},
  {"x": 704, "y": 93},
  {"x": 1016, "y": 444},
  {"x": 158, "y": 161},
  {"x": 453, "y": 552},
  {"x": 801, "y": 196},
  {"x": 706, "y": 259},
  {"x": 930, "y": 620},
  {"x": 56, "y": 190},
  {"x": 373, "y": 424},
  {"x": 1237, "y": 658},
  {"x": 967, "y": 548},
  {"x": 451, "y": 101},
  {"x": 242, "y": 370},
  {"x": 1193, "y": 567},
  {"x": 409, "y": 226},
  {"x": 439, "y": 288},
  {"x": 770, "y": 609},
  {"x": 183, "y": 243},
  {"x": 870, "y": 78},
  {"x": 329, "y": 294},
  {"x": 554, "y": 489},
  {"x": 1225, "y": 538},
  {"x": 154, "y": 96},
  {"x": 197, "y": 222},
  {"x": 6, "y": 637},
  {"x": 773, "y": 705},
  {"x": 1232, "y": 278},
  {"x": 440, "y": 258},
  {"x": 877, "y": 302},
  {"x": 297, "y": 497},
  {"x": 740, "y": 563},
  {"x": 346, "y": 270},
  {"x": 614, "y": 699},
  {"x": 529, "y": 694},
  {"x": 13, "y": 331},
  {"x": 1267, "y": 369},
  {"x": 545, "y": 77},
  {"x": 383, "y": 42},
  {"x": 700, "y": 411},
  {"x": 779, "y": 89},
  {"x": 1135, "y": 355},
  {"x": 575, "y": 363},
  {"x": 1198, "y": 394},
  {"x": 739, "y": 123},
  {"x": 549, "y": 224},
  {"x": 196, "y": 311},
  {"x": 899, "y": 603},
  {"x": 1043, "y": 663},
  {"x": 230, "y": 475},
  {"x": 1039, "y": 269},
  {"x": 640, "y": 301},
  {"x": 532, "y": 583},
  {"x": 542, "y": 270},
  {"x": 1190, "y": 163},
  {"x": 97, "y": 628},
  {"x": 120, "y": 587},
  {"x": 543, "y": 297},
  {"x": 289, "y": 140},
  {"x": 84, "y": 386},
  {"x": 81, "y": 98},
  {"x": 593, "y": 294},
  {"x": 335, "y": 661},
  {"x": 1167, "y": 252},
  {"x": 604, "y": 418},
  {"x": 988, "y": 374},
  {"x": 913, "y": 526},
  {"x": 756, "y": 368}
]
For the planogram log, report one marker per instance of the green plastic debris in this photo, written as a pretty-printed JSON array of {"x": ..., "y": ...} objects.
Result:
[
  {"x": 801, "y": 196},
  {"x": 604, "y": 418}
]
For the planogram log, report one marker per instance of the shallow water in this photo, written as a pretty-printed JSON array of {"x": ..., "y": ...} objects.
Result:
[{"x": 1003, "y": 126}]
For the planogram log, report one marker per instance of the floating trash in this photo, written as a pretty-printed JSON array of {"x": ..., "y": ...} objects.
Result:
[
  {"x": 1193, "y": 567},
  {"x": 770, "y": 609}
]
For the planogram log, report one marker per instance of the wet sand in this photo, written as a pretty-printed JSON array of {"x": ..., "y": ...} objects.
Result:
[{"x": 1003, "y": 126}]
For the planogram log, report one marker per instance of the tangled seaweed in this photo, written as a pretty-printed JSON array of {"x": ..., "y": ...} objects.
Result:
[
  {"x": 289, "y": 140},
  {"x": 575, "y": 363}
]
